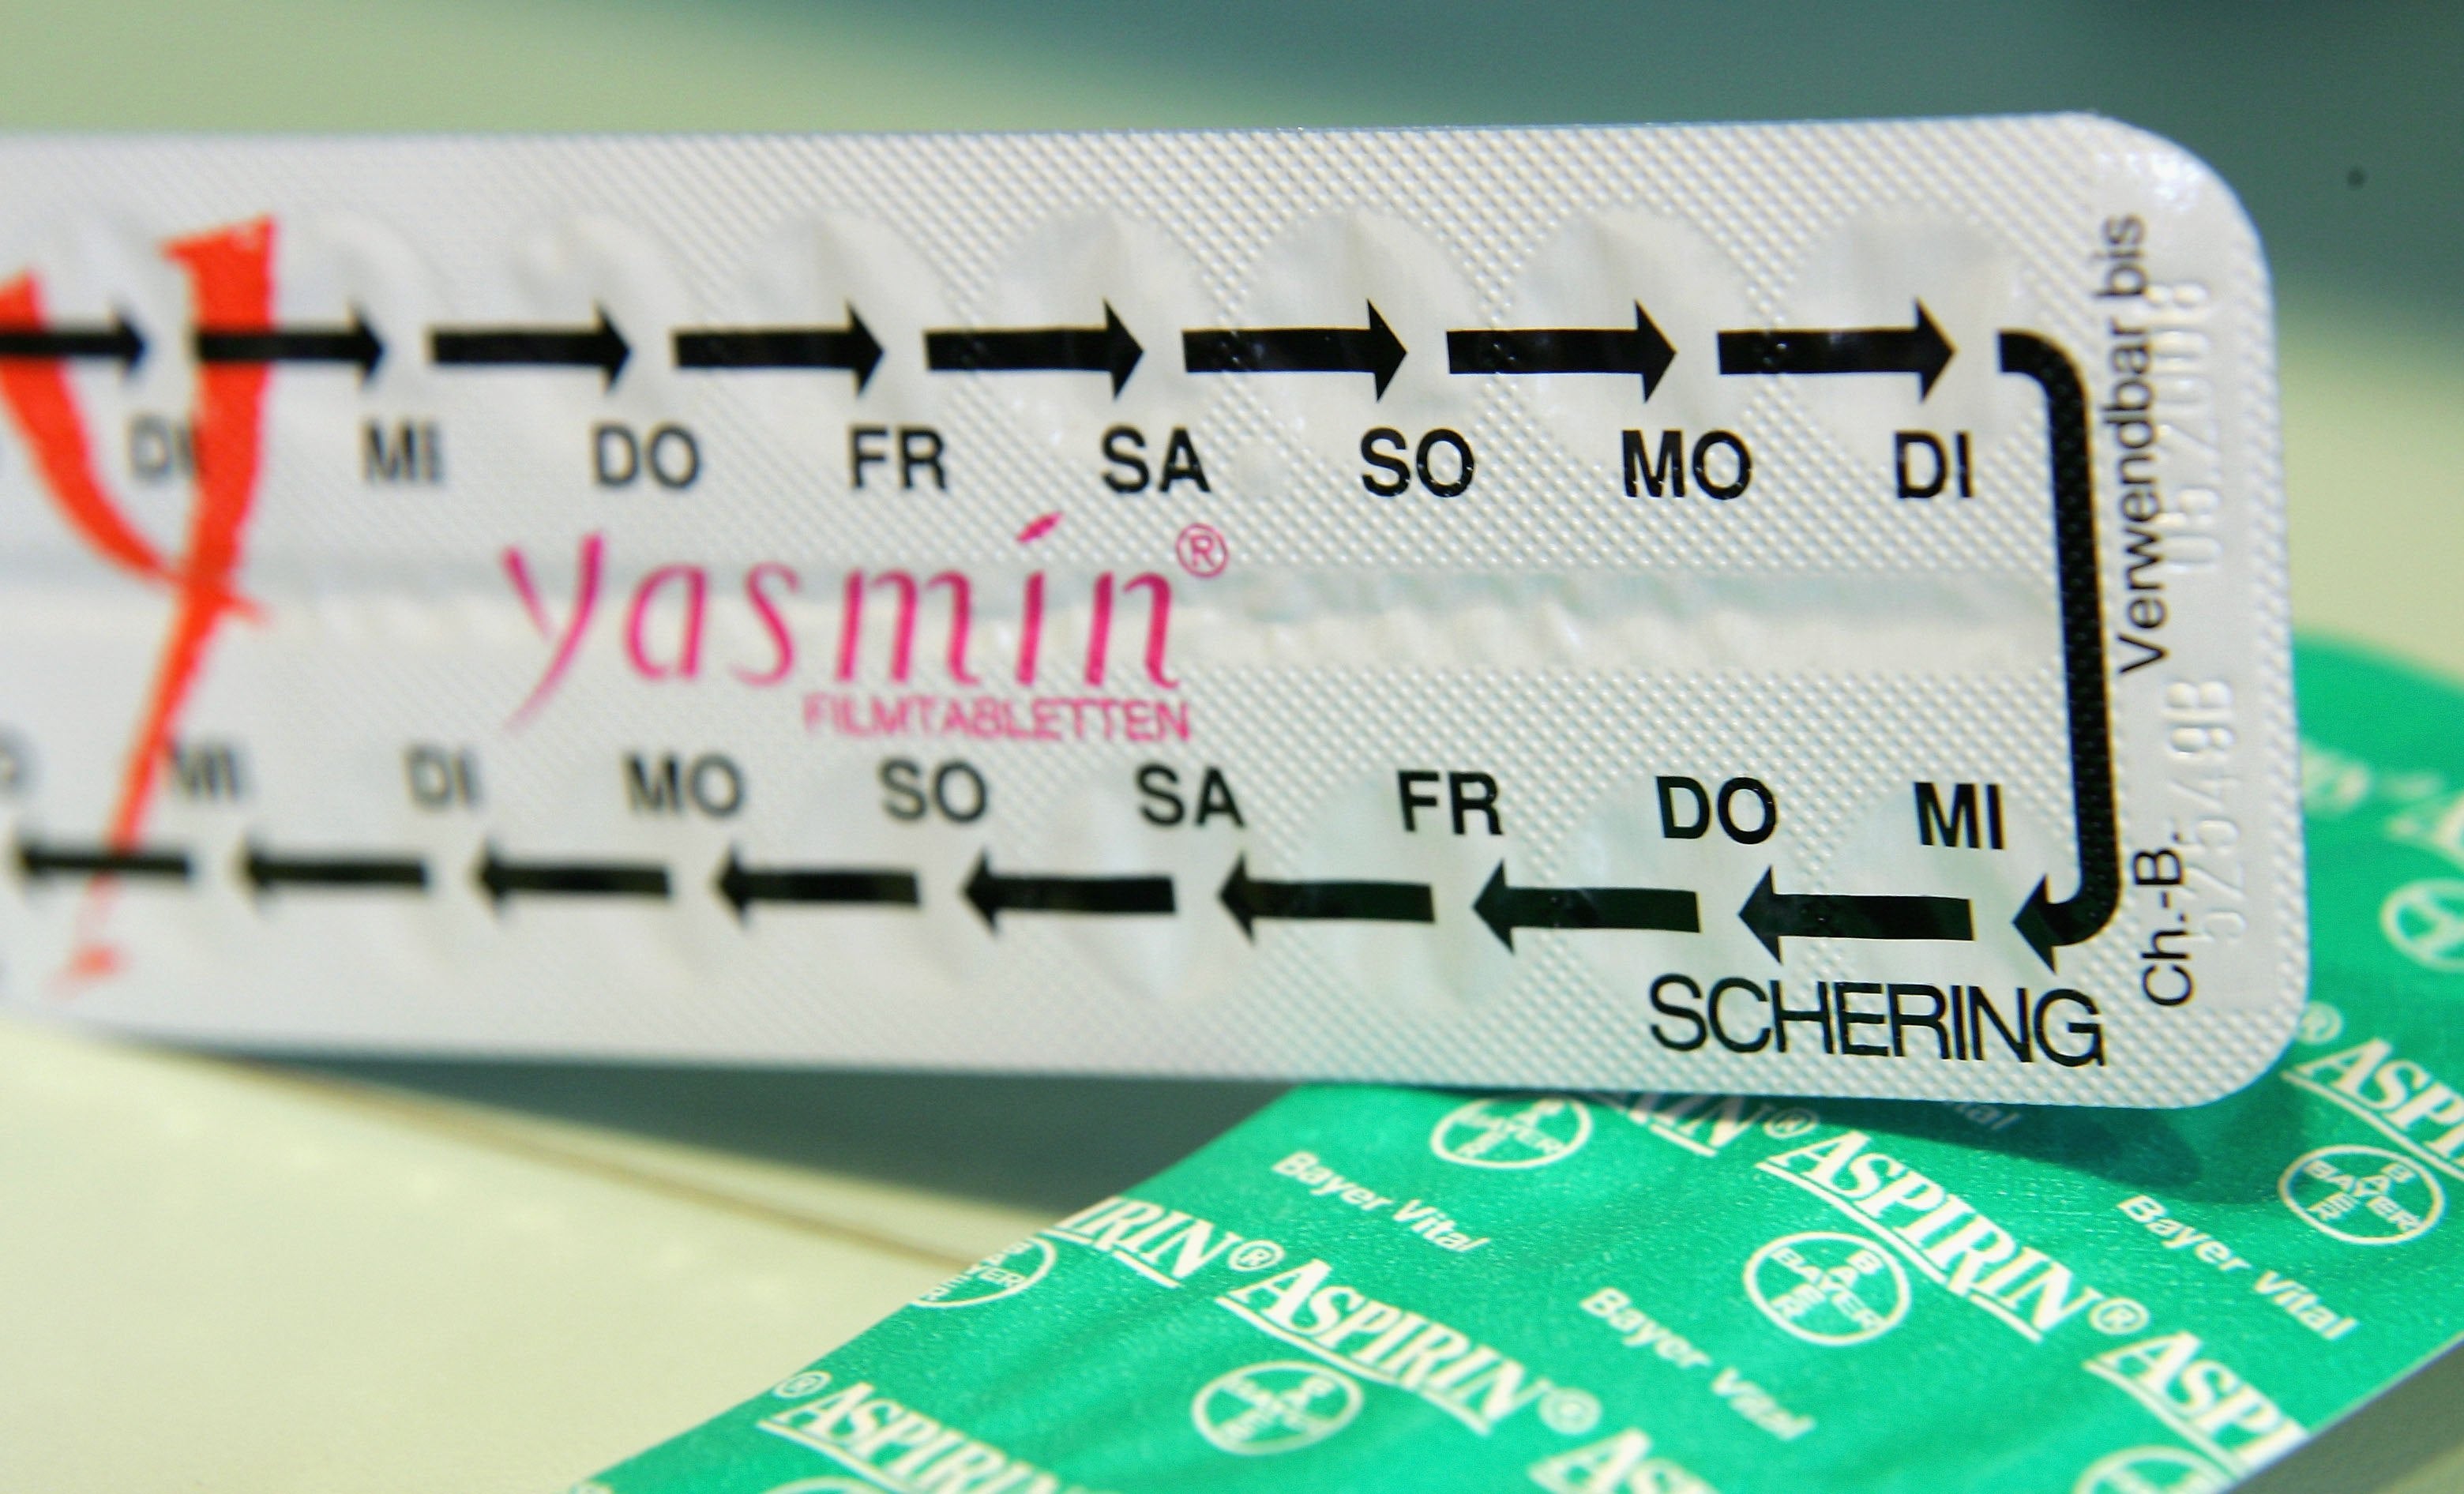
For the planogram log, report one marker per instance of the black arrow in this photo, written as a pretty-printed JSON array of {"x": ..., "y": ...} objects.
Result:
[
  {"x": 266, "y": 870},
  {"x": 1921, "y": 350},
  {"x": 501, "y": 878},
  {"x": 118, "y": 343},
  {"x": 1564, "y": 350},
  {"x": 994, "y": 895},
  {"x": 850, "y": 347},
  {"x": 2045, "y": 924},
  {"x": 744, "y": 886},
  {"x": 41, "y": 862},
  {"x": 1775, "y": 916},
  {"x": 1506, "y": 909},
  {"x": 355, "y": 345},
  {"x": 1373, "y": 350},
  {"x": 1381, "y": 902},
  {"x": 602, "y": 347},
  {"x": 1106, "y": 349}
]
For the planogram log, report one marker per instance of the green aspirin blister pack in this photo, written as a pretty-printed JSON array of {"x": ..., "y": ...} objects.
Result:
[{"x": 1662, "y": 1293}]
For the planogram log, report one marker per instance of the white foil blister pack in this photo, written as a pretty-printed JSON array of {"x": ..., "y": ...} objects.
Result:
[{"x": 1783, "y": 608}]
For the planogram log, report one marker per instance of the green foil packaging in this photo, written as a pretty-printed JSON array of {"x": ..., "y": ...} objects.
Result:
[{"x": 1396, "y": 1289}]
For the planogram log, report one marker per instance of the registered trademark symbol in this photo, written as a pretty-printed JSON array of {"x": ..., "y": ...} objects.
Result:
[
  {"x": 1255, "y": 1254},
  {"x": 1789, "y": 1124},
  {"x": 802, "y": 1384},
  {"x": 2117, "y": 1315},
  {"x": 2319, "y": 1022},
  {"x": 1203, "y": 551},
  {"x": 1570, "y": 1411}
]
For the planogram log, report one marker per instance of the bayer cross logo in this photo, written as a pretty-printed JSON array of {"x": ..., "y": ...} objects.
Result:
[
  {"x": 1004, "y": 1273},
  {"x": 2150, "y": 1470},
  {"x": 1828, "y": 1289},
  {"x": 2362, "y": 1194},
  {"x": 2424, "y": 921},
  {"x": 1513, "y": 1132},
  {"x": 1275, "y": 1407}
]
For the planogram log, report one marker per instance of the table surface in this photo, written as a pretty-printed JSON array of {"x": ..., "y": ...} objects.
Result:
[{"x": 246, "y": 1274}]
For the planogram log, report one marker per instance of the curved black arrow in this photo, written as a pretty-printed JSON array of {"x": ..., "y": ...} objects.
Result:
[
  {"x": 118, "y": 343},
  {"x": 744, "y": 886},
  {"x": 1249, "y": 900},
  {"x": 266, "y": 870},
  {"x": 602, "y": 347},
  {"x": 502, "y": 879},
  {"x": 1506, "y": 909},
  {"x": 355, "y": 345},
  {"x": 850, "y": 347},
  {"x": 41, "y": 863},
  {"x": 1921, "y": 350},
  {"x": 993, "y": 894},
  {"x": 1775, "y": 915},
  {"x": 1107, "y": 349},
  {"x": 1374, "y": 350},
  {"x": 2045, "y": 924},
  {"x": 1564, "y": 350}
]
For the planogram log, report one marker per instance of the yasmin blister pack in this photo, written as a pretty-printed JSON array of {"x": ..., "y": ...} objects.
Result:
[{"x": 1776, "y": 609}]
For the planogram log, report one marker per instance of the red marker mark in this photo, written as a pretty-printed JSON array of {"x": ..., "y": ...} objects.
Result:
[
  {"x": 230, "y": 284},
  {"x": 1039, "y": 528}
]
